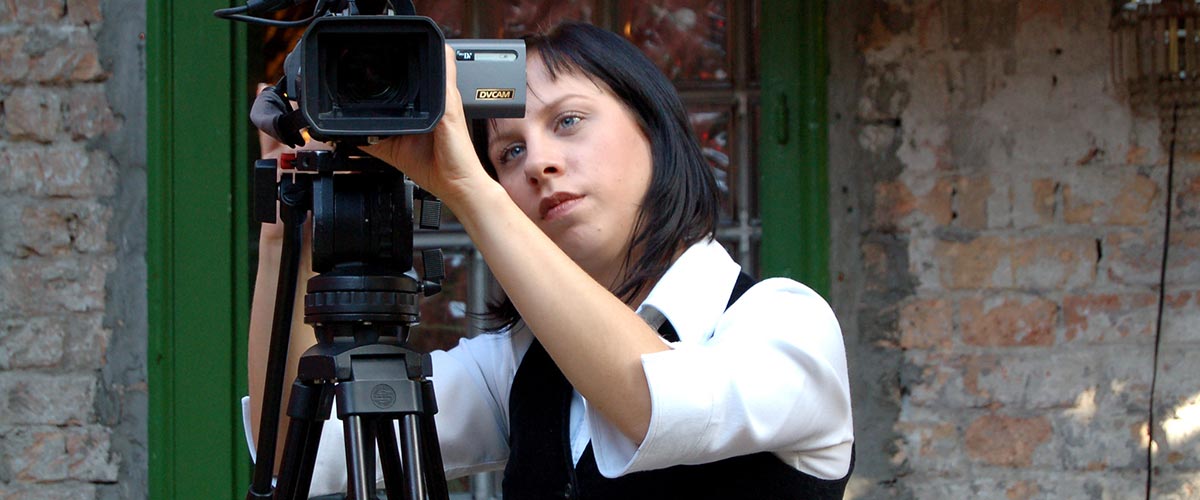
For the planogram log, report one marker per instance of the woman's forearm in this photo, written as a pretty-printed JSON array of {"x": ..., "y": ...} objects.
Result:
[{"x": 595, "y": 339}]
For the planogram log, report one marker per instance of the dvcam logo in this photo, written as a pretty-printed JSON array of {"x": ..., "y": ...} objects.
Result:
[{"x": 493, "y": 94}]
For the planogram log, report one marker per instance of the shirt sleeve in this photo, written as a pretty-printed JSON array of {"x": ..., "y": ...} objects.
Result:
[
  {"x": 471, "y": 383},
  {"x": 772, "y": 377}
]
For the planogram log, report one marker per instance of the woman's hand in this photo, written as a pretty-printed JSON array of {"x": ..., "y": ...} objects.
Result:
[{"x": 443, "y": 161}]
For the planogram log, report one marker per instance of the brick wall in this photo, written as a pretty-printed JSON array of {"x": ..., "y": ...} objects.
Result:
[
  {"x": 999, "y": 209},
  {"x": 59, "y": 195}
]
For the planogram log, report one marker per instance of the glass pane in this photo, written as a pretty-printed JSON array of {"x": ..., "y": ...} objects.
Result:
[
  {"x": 451, "y": 16},
  {"x": 755, "y": 59},
  {"x": 713, "y": 129},
  {"x": 515, "y": 18},
  {"x": 444, "y": 316},
  {"x": 751, "y": 174},
  {"x": 687, "y": 39}
]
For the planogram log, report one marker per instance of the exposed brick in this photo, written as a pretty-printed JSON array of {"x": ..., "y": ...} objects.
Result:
[
  {"x": 54, "y": 227},
  {"x": 936, "y": 379},
  {"x": 1044, "y": 200},
  {"x": 1055, "y": 262},
  {"x": 932, "y": 444},
  {"x": 84, "y": 11},
  {"x": 36, "y": 11},
  {"x": 971, "y": 198},
  {"x": 893, "y": 203},
  {"x": 63, "y": 56},
  {"x": 88, "y": 113},
  {"x": 1097, "y": 439},
  {"x": 1183, "y": 259},
  {"x": 984, "y": 262},
  {"x": 1181, "y": 314},
  {"x": 1120, "y": 199},
  {"x": 86, "y": 341},
  {"x": 36, "y": 454},
  {"x": 68, "y": 170},
  {"x": 1132, "y": 257},
  {"x": 927, "y": 324},
  {"x": 1006, "y": 440},
  {"x": 1109, "y": 317},
  {"x": 88, "y": 454},
  {"x": 1008, "y": 321},
  {"x": 31, "y": 343},
  {"x": 34, "y": 398},
  {"x": 42, "y": 286},
  {"x": 14, "y": 62},
  {"x": 33, "y": 113},
  {"x": 1186, "y": 209}
]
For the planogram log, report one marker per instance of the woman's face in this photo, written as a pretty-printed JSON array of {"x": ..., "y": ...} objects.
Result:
[{"x": 578, "y": 165}]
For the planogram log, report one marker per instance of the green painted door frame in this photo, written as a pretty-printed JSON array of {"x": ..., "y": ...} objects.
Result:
[
  {"x": 198, "y": 290},
  {"x": 793, "y": 143},
  {"x": 196, "y": 249}
]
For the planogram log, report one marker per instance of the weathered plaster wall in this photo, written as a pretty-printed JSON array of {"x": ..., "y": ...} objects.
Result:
[{"x": 999, "y": 214}]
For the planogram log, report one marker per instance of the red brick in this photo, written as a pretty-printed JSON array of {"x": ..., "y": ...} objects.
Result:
[
  {"x": 47, "y": 286},
  {"x": 14, "y": 62},
  {"x": 37, "y": 11},
  {"x": 31, "y": 343},
  {"x": 43, "y": 399},
  {"x": 893, "y": 203},
  {"x": 68, "y": 171},
  {"x": 1006, "y": 441},
  {"x": 84, "y": 11},
  {"x": 1123, "y": 199},
  {"x": 1008, "y": 321},
  {"x": 984, "y": 262},
  {"x": 69, "y": 57},
  {"x": 971, "y": 195},
  {"x": 88, "y": 113},
  {"x": 1133, "y": 257},
  {"x": 1045, "y": 199},
  {"x": 927, "y": 324},
  {"x": 33, "y": 113},
  {"x": 1054, "y": 262},
  {"x": 1103, "y": 318},
  {"x": 1183, "y": 260}
]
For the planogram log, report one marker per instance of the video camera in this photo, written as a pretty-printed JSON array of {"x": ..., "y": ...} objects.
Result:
[{"x": 370, "y": 69}]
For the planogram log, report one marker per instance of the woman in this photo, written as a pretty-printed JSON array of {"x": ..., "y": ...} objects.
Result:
[{"x": 635, "y": 361}]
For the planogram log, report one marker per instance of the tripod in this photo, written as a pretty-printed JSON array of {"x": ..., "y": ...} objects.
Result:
[{"x": 362, "y": 306}]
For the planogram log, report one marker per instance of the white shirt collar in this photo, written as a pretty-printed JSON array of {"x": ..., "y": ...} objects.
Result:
[{"x": 693, "y": 293}]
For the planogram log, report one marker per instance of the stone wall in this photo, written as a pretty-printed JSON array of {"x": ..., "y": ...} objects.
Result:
[
  {"x": 72, "y": 279},
  {"x": 999, "y": 210}
]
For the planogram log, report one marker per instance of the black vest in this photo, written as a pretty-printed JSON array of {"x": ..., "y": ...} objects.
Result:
[{"x": 540, "y": 466}]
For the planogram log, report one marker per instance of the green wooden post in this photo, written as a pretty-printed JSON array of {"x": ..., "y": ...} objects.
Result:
[
  {"x": 793, "y": 143},
  {"x": 196, "y": 250}
]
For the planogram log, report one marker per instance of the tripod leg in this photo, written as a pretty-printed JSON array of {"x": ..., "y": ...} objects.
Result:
[
  {"x": 389, "y": 454},
  {"x": 434, "y": 469},
  {"x": 307, "y": 411},
  {"x": 360, "y": 458},
  {"x": 410, "y": 440}
]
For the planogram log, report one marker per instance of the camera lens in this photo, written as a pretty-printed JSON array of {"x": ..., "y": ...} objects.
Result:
[{"x": 371, "y": 74}]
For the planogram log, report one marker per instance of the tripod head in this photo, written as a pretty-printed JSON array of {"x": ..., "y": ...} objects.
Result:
[{"x": 363, "y": 216}]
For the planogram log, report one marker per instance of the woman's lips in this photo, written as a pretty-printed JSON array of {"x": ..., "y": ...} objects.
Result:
[{"x": 557, "y": 205}]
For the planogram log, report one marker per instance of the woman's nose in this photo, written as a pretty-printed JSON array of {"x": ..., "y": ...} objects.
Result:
[{"x": 543, "y": 162}]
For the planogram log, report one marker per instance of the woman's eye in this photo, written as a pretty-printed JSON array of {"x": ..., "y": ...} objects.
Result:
[
  {"x": 568, "y": 121},
  {"x": 511, "y": 152}
]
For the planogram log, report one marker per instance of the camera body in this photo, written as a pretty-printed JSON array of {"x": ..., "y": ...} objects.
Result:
[{"x": 364, "y": 76}]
